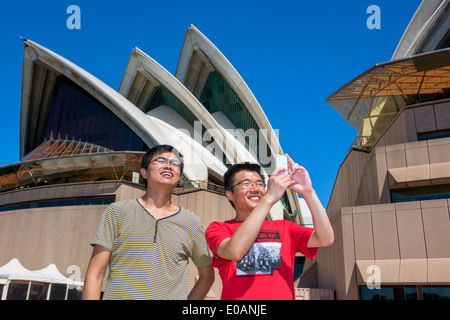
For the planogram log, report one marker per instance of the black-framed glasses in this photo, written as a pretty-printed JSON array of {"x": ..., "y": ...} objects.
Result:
[
  {"x": 247, "y": 184},
  {"x": 162, "y": 161}
]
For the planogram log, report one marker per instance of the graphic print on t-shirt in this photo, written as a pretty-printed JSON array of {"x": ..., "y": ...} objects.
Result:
[{"x": 263, "y": 257}]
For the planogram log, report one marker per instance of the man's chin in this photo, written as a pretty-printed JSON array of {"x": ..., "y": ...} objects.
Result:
[
  {"x": 252, "y": 203},
  {"x": 166, "y": 183}
]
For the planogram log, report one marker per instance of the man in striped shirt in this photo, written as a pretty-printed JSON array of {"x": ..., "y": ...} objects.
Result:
[{"x": 146, "y": 242}]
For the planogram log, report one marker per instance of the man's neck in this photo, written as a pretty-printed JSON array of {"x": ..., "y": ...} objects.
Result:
[
  {"x": 158, "y": 203},
  {"x": 241, "y": 215}
]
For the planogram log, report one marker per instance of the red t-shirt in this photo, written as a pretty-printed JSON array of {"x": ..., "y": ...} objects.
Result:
[{"x": 267, "y": 270}]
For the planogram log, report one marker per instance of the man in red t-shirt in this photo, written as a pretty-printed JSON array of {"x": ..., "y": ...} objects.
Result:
[{"x": 255, "y": 256}]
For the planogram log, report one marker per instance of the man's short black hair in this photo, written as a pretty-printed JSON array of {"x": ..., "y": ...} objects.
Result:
[
  {"x": 229, "y": 178},
  {"x": 158, "y": 149}
]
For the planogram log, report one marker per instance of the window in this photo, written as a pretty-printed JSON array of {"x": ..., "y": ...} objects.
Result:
[
  {"x": 299, "y": 263},
  {"x": 38, "y": 291},
  {"x": 32, "y": 290},
  {"x": 96, "y": 200},
  {"x": 384, "y": 293},
  {"x": 406, "y": 293},
  {"x": 421, "y": 193},
  {"x": 76, "y": 113},
  {"x": 436, "y": 293},
  {"x": 74, "y": 293},
  {"x": 433, "y": 135},
  {"x": 410, "y": 293},
  {"x": 389, "y": 293},
  {"x": 17, "y": 290},
  {"x": 58, "y": 292}
]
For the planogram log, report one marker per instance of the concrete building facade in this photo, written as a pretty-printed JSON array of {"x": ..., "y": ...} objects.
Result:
[{"x": 390, "y": 203}]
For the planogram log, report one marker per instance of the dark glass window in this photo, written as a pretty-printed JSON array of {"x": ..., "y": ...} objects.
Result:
[
  {"x": 410, "y": 293},
  {"x": 389, "y": 293},
  {"x": 81, "y": 201},
  {"x": 74, "y": 293},
  {"x": 421, "y": 193},
  {"x": 76, "y": 114},
  {"x": 58, "y": 291},
  {"x": 377, "y": 294},
  {"x": 433, "y": 135},
  {"x": 299, "y": 263},
  {"x": 38, "y": 291},
  {"x": 17, "y": 290},
  {"x": 436, "y": 293},
  {"x": 406, "y": 293}
]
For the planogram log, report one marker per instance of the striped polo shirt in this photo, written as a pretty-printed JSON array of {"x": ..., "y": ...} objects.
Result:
[{"x": 149, "y": 257}]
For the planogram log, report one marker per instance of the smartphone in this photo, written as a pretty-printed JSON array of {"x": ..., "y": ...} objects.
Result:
[{"x": 281, "y": 162}]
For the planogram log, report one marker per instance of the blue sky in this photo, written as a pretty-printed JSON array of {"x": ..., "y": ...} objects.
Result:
[{"x": 292, "y": 55}]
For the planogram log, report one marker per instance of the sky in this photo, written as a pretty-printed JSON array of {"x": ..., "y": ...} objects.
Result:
[{"x": 291, "y": 54}]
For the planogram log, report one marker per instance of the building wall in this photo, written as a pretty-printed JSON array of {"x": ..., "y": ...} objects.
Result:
[
  {"x": 61, "y": 235},
  {"x": 363, "y": 177},
  {"x": 409, "y": 240}
]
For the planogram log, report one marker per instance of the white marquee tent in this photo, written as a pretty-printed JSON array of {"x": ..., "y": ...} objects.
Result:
[{"x": 14, "y": 272}]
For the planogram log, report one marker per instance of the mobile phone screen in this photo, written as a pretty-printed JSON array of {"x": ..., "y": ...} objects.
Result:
[{"x": 281, "y": 162}]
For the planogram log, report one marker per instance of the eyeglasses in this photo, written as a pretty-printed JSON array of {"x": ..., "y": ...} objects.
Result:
[
  {"x": 162, "y": 161},
  {"x": 247, "y": 184}
]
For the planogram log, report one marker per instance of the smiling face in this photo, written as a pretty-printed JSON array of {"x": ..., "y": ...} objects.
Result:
[
  {"x": 246, "y": 199},
  {"x": 162, "y": 170}
]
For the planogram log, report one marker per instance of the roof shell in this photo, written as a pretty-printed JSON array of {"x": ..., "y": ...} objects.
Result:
[
  {"x": 428, "y": 30},
  {"x": 150, "y": 131},
  {"x": 213, "y": 59}
]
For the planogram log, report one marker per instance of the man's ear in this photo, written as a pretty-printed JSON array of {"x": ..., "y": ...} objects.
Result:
[
  {"x": 144, "y": 173},
  {"x": 230, "y": 195}
]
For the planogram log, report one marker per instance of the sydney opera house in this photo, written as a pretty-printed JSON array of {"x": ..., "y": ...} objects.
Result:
[{"x": 81, "y": 143}]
